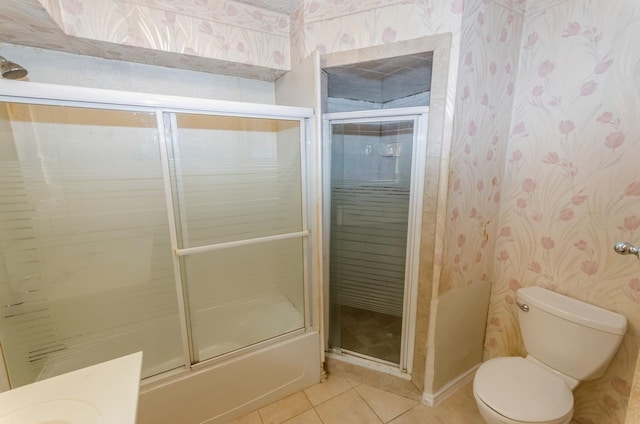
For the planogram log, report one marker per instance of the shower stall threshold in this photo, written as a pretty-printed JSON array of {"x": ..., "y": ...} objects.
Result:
[{"x": 368, "y": 362}]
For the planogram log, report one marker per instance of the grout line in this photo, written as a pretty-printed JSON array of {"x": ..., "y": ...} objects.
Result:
[{"x": 368, "y": 405}]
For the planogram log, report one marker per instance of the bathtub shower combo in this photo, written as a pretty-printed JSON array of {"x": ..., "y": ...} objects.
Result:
[{"x": 177, "y": 227}]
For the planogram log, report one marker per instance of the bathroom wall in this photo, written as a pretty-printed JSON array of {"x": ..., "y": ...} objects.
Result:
[
  {"x": 518, "y": 82},
  {"x": 490, "y": 46},
  {"x": 542, "y": 181},
  {"x": 573, "y": 184}
]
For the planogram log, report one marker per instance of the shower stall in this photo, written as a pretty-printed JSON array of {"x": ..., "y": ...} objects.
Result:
[
  {"x": 374, "y": 173},
  {"x": 177, "y": 227}
]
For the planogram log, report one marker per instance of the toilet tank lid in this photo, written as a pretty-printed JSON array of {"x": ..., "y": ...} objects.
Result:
[{"x": 573, "y": 310}]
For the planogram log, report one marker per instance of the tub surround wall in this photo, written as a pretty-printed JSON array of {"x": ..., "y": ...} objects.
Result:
[{"x": 54, "y": 67}]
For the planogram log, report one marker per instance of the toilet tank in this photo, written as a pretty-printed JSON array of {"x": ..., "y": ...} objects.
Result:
[{"x": 573, "y": 337}]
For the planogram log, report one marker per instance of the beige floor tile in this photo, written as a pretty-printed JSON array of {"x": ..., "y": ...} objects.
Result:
[
  {"x": 284, "y": 409},
  {"x": 347, "y": 408},
  {"x": 387, "y": 406},
  {"x": 461, "y": 407},
  {"x": 309, "y": 417},
  {"x": 252, "y": 418},
  {"x": 322, "y": 392},
  {"x": 422, "y": 414}
]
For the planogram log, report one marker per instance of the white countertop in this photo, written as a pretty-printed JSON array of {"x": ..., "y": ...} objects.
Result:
[{"x": 106, "y": 393}]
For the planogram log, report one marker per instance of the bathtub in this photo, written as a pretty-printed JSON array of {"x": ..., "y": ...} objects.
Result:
[
  {"x": 261, "y": 354},
  {"x": 260, "y": 348}
]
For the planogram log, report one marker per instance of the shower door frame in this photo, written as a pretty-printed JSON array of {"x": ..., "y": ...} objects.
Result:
[
  {"x": 419, "y": 115},
  {"x": 169, "y": 105}
]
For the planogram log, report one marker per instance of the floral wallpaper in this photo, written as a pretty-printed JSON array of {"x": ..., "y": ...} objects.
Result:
[
  {"x": 544, "y": 95},
  {"x": 218, "y": 36},
  {"x": 487, "y": 75},
  {"x": 340, "y": 25},
  {"x": 541, "y": 180},
  {"x": 571, "y": 187}
]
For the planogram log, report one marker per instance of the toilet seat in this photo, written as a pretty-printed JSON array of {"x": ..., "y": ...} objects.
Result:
[{"x": 522, "y": 391}]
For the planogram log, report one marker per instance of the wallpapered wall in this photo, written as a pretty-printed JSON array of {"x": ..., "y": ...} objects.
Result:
[
  {"x": 490, "y": 45},
  {"x": 572, "y": 187},
  {"x": 543, "y": 178},
  {"x": 543, "y": 174}
]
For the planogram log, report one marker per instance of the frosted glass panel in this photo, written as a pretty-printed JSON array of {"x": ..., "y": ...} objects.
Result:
[
  {"x": 370, "y": 191},
  {"x": 239, "y": 179},
  {"x": 86, "y": 271},
  {"x": 244, "y": 295}
]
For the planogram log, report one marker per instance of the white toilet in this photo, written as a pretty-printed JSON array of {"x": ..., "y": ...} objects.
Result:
[{"x": 568, "y": 341}]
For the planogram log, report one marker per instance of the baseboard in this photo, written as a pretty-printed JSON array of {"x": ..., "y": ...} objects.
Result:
[{"x": 450, "y": 388}]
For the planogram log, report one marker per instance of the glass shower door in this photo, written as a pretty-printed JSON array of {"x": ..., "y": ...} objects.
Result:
[
  {"x": 125, "y": 227},
  {"x": 370, "y": 198},
  {"x": 238, "y": 184},
  {"x": 86, "y": 272}
]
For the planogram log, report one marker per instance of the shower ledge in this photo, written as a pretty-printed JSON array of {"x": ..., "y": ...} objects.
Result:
[{"x": 106, "y": 393}]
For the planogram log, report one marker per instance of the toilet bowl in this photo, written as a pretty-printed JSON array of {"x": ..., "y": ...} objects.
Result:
[
  {"x": 515, "y": 390},
  {"x": 568, "y": 341}
]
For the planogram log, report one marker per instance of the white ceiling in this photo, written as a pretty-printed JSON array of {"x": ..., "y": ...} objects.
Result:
[{"x": 282, "y": 6}]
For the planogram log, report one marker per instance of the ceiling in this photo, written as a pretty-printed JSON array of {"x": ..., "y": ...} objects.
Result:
[{"x": 382, "y": 80}]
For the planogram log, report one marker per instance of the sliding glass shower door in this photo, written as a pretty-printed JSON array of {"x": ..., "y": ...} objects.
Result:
[
  {"x": 86, "y": 272},
  {"x": 239, "y": 214},
  {"x": 370, "y": 189},
  {"x": 179, "y": 234}
]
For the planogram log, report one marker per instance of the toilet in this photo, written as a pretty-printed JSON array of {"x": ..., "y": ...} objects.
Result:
[{"x": 567, "y": 342}]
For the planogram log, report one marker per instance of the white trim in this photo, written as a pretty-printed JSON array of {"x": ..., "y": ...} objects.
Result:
[
  {"x": 326, "y": 228},
  {"x": 99, "y": 98},
  {"x": 450, "y": 388},
  {"x": 306, "y": 248},
  {"x": 412, "y": 265},
  {"x": 177, "y": 273},
  {"x": 239, "y": 243}
]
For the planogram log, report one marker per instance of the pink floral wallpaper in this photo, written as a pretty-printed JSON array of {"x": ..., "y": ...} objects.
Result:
[
  {"x": 340, "y": 25},
  {"x": 542, "y": 179},
  {"x": 218, "y": 36},
  {"x": 489, "y": 54},
  {"x": 571, "y": 187},
  {"x": 544, "y": 95}
]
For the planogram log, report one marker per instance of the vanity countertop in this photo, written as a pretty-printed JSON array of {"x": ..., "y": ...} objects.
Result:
[{"x": 105, "y": 393}]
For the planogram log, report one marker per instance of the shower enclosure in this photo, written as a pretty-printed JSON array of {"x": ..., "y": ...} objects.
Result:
[
  {"x": 177, "y": 227},
  {"x": 373, "y": 173}
]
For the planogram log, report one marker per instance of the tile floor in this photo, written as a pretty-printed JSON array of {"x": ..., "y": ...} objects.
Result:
[{"x": 342, "y": 401}]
